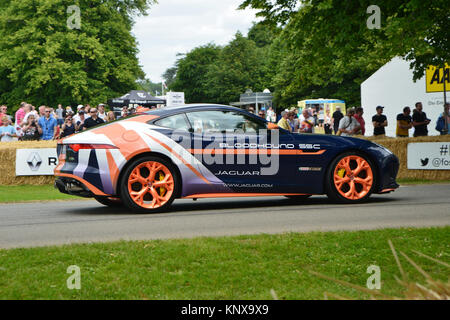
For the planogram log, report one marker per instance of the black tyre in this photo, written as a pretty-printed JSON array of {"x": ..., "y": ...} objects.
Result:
[
  {"x": 149, "y": 185},
  {"x": 351, "y": 178}
]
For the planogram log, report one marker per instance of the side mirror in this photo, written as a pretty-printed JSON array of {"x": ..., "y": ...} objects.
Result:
[{"x": 272, "y": 126}]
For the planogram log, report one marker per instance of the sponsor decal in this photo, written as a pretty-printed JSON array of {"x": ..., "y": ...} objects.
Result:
[{"x": 429, "y": 156}]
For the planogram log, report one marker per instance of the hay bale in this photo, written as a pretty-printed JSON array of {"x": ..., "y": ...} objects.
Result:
[
  {"x": 8, "y": 163},
  {"x": 399, "y": 147}
]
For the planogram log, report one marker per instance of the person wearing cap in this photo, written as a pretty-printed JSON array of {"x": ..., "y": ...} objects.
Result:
[
  {"x": 283, "y": 123},
  {"x": 349, "y": 126},
  {"x": 379, "y": 122}
]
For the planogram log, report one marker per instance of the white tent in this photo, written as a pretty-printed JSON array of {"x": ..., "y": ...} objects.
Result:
[{"x": 392, "y": 87}]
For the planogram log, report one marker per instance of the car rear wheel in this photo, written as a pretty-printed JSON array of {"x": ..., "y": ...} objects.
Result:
[
  {"x": 110, "y": 201},
  {"x": 149, "y": 185},
  {"x": 351, "y": 178}
]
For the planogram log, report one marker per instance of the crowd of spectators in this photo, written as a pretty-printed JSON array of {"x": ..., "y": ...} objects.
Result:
[
  {"x": 353, "y": 123},
  {"x": 46, "y": 123}
]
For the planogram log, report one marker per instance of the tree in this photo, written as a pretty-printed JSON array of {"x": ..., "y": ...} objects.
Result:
[
  {"x": 149, "y": 86},
  {"x": 191, "y": 72},
  {"x": 169, "y": 75},
  {"x": 335, "y": 31},
  {"x": 45, "y": 60},
  {"x": 240, "y": 66}
]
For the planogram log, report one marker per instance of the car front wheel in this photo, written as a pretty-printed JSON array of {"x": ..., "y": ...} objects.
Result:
[{"x": 350, "y": 178}]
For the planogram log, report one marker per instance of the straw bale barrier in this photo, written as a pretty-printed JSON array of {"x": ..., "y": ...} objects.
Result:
[
  {"x": 396, "y": 145},
  {"x": 8, "y": 163}
]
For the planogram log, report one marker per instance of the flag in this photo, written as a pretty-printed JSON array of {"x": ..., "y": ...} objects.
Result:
[{"x": 164, "y": 84}]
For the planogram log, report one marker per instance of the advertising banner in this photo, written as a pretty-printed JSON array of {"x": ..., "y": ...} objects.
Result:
[
  {"x": 429, "y": 156},
  {"x": 36, "y": 162}
]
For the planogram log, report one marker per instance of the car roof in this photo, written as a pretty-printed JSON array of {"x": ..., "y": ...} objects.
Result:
[{"x": 166, "y": 111}]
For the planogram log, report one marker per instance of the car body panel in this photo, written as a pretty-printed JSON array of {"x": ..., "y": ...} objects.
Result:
[{"x": 303, "y": 158}]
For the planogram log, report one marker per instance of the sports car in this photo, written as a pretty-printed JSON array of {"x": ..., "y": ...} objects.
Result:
[{"x": 148, "y": 160}]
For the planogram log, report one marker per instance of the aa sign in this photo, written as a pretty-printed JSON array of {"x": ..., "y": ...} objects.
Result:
[{"x": 435, "y": 79}]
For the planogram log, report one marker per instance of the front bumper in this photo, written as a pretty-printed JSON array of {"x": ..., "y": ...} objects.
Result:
[{"x": 388, "y": 174}]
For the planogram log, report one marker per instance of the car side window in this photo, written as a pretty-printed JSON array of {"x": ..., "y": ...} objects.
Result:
[
  {"x": 223, "y": 122},
  {"x": 176, "y": 122}
]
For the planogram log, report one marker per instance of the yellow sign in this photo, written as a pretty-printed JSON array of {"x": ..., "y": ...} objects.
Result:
[{"x": 435, "y": 79}]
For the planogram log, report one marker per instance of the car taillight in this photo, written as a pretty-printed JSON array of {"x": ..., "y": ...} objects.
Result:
[{"x": 78, "y": 147}]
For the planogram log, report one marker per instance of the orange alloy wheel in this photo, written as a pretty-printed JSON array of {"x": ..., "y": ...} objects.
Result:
[
  {"x": 150, "y": 185},
  {"x": 353, "y": 177}
]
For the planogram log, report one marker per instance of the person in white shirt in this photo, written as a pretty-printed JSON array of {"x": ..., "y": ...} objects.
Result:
[
  {"x": 349, "y": 126},
  {"x": 101, "y": 111}
]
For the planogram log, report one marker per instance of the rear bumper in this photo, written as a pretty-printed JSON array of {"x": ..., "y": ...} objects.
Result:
[{"x": 73, "y": 187}]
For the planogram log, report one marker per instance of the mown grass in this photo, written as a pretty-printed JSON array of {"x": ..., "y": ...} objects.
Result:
[
  {"x": 242, "y": 267},
  {"x": 32, "y": 193}
]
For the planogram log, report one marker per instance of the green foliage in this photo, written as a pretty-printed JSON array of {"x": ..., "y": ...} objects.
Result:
[
  {"x": 149, "y": 86},
  {"x": 43, "y": 61},
  {"x": 240, "y": 66},
  {"x": 169, "y": 75},
  {"x": 191, "y": 71}
]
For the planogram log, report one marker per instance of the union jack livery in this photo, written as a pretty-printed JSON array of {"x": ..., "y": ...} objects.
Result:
[{"x": 202, "y": 151}]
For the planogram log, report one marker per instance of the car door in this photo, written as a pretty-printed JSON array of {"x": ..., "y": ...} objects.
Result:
[{"x": 241, "y": 152}]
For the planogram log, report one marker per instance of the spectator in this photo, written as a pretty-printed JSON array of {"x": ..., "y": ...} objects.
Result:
[
  {"x": 271, "y": 115},
  {"x": 30, "y": 129},
  {"x": 348, "y": 126},
  {"x": 379, "y": 122},
  {"x": 68, "y": 127},
  {"x": 67, "y": 112},
  {"x": 79, "y": 124},
  {"x": 359, "y": 117},
  {"x": 47, "y": 125},
  {"x": 101, "y": 111},
  {"x": 327, "y": 122},
  {"x": 124, "y": 112},
  {"x": 93, "y": 120},
  {"x": 261, "y": 114},
  {"x": 59, "y": 114},
  {"x": 29, "y": 111},
  {"x": 4, "y": 113},
  {"x": 283, "y": 123},
  {"x": 420, "y": 121},
  {"x": 20, "y": 114},
  {"x": 335, "y": 120},
  {"x": 443, "y": 122},
  {"x": 293, "y": 123},
  {"x": 306, "y": 122},
  {"x": 404, "y": 123},
  {"x": 42, "y": 111},
  {"x": 7, "y": 131},
  {"x": 110, "y": 116}
]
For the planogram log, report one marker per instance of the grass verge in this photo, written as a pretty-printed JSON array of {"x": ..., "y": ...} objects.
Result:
[
  {"x": 242, "y": 267},
  {"x": 32, "y": 193}
]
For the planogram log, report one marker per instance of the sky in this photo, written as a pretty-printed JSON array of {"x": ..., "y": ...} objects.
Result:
[{"x": 178, "y": 26}]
